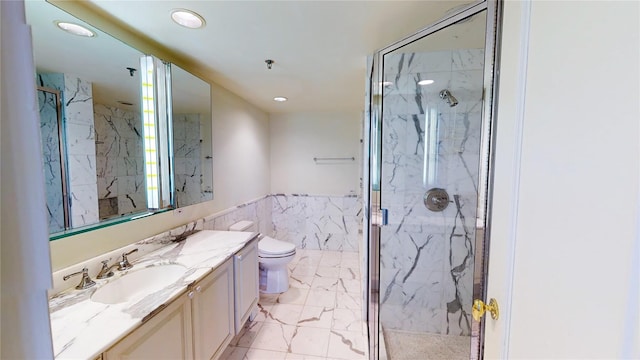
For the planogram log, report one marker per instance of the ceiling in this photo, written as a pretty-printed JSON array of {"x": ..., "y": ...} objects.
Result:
[{"x": 319, "y": 47}]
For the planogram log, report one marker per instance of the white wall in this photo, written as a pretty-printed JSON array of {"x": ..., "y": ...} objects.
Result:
[
  {"x": 240, "y": 150},
  {"x": 567, "y": 177},
  {"x": 297, "y": 138},
  {"x": 240, "y": 156},
  {"x": 26, "y": 333}
]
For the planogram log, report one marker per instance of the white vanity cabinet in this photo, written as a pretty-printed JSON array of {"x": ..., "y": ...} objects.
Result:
[
  {"x": 212, "y": 312},
  {"x": 166, "y": 335},
  {"x": 245, "y": 265},
  {"x": 201, "y": 322}
]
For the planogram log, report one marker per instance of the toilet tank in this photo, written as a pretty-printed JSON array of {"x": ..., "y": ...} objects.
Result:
[{"x": 243, "y": 225}]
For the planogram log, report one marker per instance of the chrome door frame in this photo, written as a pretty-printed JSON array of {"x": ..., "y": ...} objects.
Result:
[
  {"x": 492, "y": 36},
  {"x": 66, "y": 206}
]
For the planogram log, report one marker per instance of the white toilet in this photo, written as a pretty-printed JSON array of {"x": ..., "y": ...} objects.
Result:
[{"x": 273, "y": 255}]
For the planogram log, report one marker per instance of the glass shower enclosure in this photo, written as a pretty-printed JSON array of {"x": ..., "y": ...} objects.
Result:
[{"x": 429, "y": 139}]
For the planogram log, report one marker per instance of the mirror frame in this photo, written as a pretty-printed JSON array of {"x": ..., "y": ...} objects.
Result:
[{"x": 80, "y": 11}]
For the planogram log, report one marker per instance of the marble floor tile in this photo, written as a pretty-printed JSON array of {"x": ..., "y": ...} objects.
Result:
[
  {"x": 347, "y": 319},
  {"x": 304, "y": 270},
  {"x": 332, "y": 254},
  {"x": 248, "y": 333},
  {"x": 268, "y": 299},
  {"x": 328, "y": 284},
  {"x": 330, "y": 261},
  {"x": 321, "y": 298},
  {"x": 346, "y": 300},
  {"x": 234, "y": 353},
  {"x": 350, "y": 286},
  {"x": 310, "y": 341},
  {"x": 274, "y": 337},
  {"x": 309, "y": 258},
  {"x": 300, "y": 281},
  {"x": 350, "y": 255},
  {"x": 293, "y": 296},
  {"x": 287, "y": 314},
  {"x": 318, "y": 318},
  {"x": 315, "y": 316},
  {"x": 350, "y": 263},
  {"x": 348, "y": 273},
  {"x": 258, "y": 354},
  {"x": 328, "y": 272},
  {"x": 292, "y": 356},
  {"x": 347, "y": 345},
  {"x": 263, "y": 312}
]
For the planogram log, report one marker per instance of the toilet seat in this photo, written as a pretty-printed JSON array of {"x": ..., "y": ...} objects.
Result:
[{"x": 271, "y": 248}]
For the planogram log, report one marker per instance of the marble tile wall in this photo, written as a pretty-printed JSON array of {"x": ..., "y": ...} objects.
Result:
[
  {"x": 47, "y": 104},
  {"x": 120, "y": 165},
  {"x": 188, "y": 161},
  {"x": 259, "y": 211},
  {"x": 427, "y": 257},
  {"x": 318, "y": 222},
  {"x": 78, "y": 123}
]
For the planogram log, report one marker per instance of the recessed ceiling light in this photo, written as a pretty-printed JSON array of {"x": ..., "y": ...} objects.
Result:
[
  {"x": 280, "y": 98},
  {"x": 425, "y": 82},
  {"x": 187, "y": 18},
  {"x": 75, "y": 29}
]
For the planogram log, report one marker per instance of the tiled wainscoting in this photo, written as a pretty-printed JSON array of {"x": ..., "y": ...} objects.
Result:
[
  {"x": 319, "y": 222},
  {"x": 319, "y": 317}
]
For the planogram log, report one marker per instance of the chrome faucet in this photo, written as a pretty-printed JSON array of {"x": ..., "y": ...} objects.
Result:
[
  {"x": 86, "y": 281},
  {"x": 125, "y": 264},
  {"x": 106, "y": 272}
]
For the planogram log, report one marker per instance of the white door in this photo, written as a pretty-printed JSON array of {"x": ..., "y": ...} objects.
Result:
[{"x": 564, "y": 224}]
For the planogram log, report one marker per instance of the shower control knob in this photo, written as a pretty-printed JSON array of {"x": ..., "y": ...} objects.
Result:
[{"x": 436, "y": 199}]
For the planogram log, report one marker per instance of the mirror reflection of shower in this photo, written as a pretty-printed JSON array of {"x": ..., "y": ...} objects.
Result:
[{"x": 450, "y": 99}]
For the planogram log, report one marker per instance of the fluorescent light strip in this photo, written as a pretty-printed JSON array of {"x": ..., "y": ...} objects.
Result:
[{"x": 149, "y": 131}]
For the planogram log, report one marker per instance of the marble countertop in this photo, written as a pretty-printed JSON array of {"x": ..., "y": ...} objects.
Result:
[{"x": 82, "y": 328}]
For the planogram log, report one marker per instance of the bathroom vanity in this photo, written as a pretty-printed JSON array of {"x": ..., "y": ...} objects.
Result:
[{"x": 195, "y": 316}]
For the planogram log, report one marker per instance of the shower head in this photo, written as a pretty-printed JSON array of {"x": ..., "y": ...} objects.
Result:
[{"x": 450, "y": 99}]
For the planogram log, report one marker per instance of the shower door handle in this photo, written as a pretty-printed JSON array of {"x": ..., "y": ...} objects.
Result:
[
  {"x": 380, "y": 217},
  {"x": 385, "y": 216}
]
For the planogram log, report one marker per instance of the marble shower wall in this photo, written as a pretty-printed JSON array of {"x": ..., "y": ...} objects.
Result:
[
  {"x": 426, "y": 259},
  {"x": 190, "y": 189},
  {"x": 120, "y": 165},
  {"x": 318, "y": 222},
  {"x": 77, "y": 110},
  {"x": 48, "y": 109}
]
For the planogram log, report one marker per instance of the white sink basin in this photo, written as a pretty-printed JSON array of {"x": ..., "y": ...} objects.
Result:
[{"x": 138, "y": 283}]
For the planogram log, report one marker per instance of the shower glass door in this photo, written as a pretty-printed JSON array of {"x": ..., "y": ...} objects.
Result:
[{"x": 430, "y": 134}]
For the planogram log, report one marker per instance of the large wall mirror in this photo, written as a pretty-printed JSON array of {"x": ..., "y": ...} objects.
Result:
[
  {"x": 93, "y": 128},
  {"x": 192, "y": 149}
]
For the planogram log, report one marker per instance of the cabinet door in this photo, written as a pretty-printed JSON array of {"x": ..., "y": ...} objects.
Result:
[
  {"x": 167, "y": 335},
  {"x": 246, "y": 283},
  {"x": 212, "y": 310}
]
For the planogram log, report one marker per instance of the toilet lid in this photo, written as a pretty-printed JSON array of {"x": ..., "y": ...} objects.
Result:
[{"x": 271, "y": 246}]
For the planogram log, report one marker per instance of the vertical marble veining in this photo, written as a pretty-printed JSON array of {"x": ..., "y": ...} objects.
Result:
[
  {"x": 50, "y": 141},
  {"x": 258, "y": 211},
  {"x": 79, "y": 134},
  {"x": 120, "y": 165},
  {"x": 190, "y": 184},
  {"x": 427, "y": 258},
  {"x": 318, "y": 222}
]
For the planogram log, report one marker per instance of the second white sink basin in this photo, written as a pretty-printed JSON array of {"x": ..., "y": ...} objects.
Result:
[{"x": 138, "y": 283}]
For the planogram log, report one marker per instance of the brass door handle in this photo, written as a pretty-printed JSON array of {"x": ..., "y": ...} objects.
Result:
[{"x": 479, "y": 308}]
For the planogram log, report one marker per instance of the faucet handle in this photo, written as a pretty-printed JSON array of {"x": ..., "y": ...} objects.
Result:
[
  {"x": 85, "y": 282},
  {"x": 125, "y": 264},
  {"x": 105, "y": 272}
]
